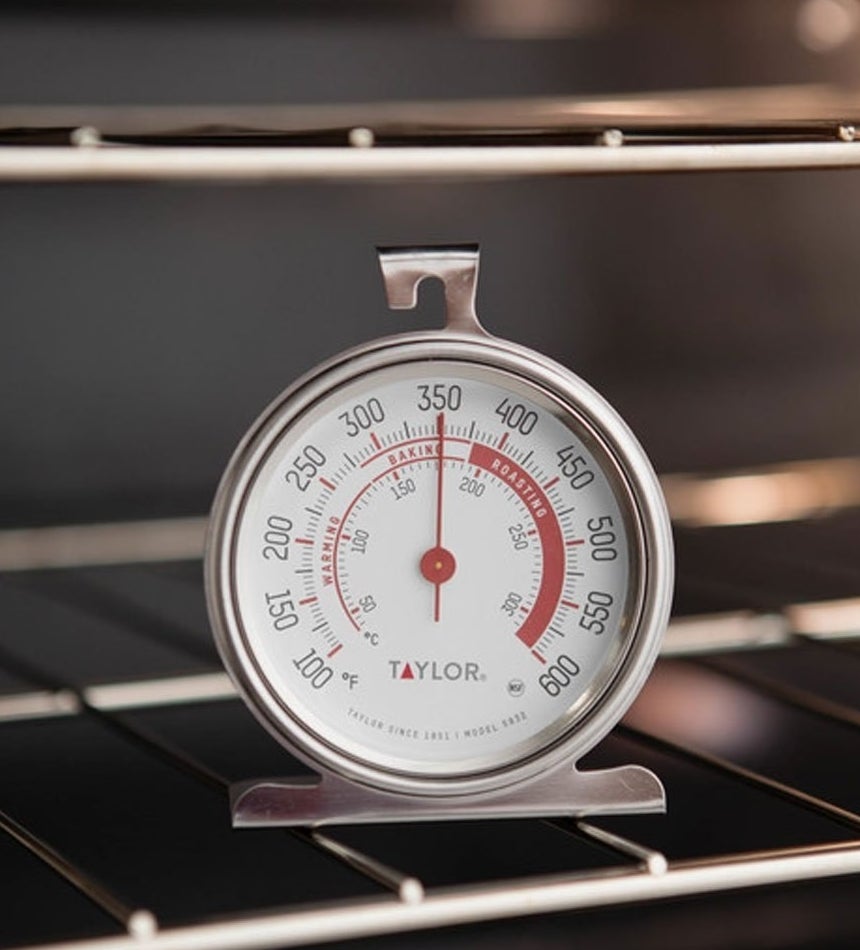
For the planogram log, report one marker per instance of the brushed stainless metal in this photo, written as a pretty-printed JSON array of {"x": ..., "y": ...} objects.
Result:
[
  {"x": 818, "y": 487},
  {"x": 328, "y": 799},
  {"x": 653, "y": 861},
  {"x": 407, "y": 887},
  {"x": 790, "y": 491},
  {"x": 648, "y": 528},
  {"x": 790, "y": 695},
  {"x": 821, "y": 806},
  {"x": 38, "y": 704},
  {"x": 404, "y": 269},
  {"x": 520, "y": 898},
  {"x": 121, "y": 542},
  {"x": 735, "y": 630},
  {"x": 802, "y": 107},
  {"x": 440, "y": 908},
  {"x": 467, "y": 163},
  {"x": 826, "y": 618},
  {"x": 168, "y": 691},
  {"x": 138, "y": 921}
]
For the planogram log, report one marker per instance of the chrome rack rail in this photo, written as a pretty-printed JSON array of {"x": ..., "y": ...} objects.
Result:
[
  {"x": 721, "y": 130},
  {"x": 645, "y": 874},
  {"x": 641, "y": 873}
]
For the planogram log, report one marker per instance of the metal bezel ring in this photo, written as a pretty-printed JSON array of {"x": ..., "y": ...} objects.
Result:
[{"x": 644, "y": 495}]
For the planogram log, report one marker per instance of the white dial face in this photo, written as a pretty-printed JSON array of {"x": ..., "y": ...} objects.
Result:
[{"x": 434, "y": 569}]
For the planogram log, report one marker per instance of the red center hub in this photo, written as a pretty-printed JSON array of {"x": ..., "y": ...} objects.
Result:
[{"x": 438, "y": 565}]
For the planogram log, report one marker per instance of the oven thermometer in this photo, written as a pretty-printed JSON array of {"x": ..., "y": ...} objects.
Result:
[{"x": 439, "y": 568}]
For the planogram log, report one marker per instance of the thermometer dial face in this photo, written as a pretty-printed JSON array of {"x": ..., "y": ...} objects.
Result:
[{"x": 436, "y": 570}]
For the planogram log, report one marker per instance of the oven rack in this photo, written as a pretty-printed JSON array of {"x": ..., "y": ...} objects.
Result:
[
  {"x": 637, "y": 873},
  {"x": 806, "y": 127},
  {"x": 786, "y": 127}
]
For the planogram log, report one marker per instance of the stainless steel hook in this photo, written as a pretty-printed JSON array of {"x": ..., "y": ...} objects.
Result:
[{"x": 404, "y": 268}]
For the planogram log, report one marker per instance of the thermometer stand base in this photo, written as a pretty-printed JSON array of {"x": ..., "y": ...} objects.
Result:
[{"x": 329, "y": 800}]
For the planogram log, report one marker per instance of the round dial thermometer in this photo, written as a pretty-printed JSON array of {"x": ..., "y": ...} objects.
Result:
[{"x": 439, "y": 569}]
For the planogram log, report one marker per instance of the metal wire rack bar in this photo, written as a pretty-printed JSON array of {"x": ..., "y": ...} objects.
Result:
[
  {"x": 406, "y": 886},
  {"x": 714, "y": 131},
  {"x": 520, "y": 898},
  {"x": 655, "y": 879},
  {"x": 728, "y": 632},
  {"x": 791, "y": 695},
  {"x": 812, "y": 803},
  {"x": 817, "y": 487},
  {"x": 137, "y": 921},
  {"x": 469, "y": 163}
]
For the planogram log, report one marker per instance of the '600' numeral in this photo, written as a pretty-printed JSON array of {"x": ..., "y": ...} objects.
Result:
[{"x": 559, "y": 675}]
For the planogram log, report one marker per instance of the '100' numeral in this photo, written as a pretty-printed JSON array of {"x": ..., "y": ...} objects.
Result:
[{"x": 313, "y": 669}]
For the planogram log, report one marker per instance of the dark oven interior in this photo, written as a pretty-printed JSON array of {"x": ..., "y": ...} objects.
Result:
[{"x": 146, "y": 323}]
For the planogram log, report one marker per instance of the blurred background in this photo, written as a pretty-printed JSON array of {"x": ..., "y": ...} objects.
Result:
[{"x": 145, "y": 326}]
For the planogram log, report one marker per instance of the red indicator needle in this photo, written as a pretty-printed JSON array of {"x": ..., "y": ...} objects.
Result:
[
  {"x": 440, "y": 472},
  {"x": 438, "y": 564}
]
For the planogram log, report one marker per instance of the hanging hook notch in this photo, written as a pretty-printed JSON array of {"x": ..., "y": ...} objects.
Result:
[{"x": 456, "y": 266}]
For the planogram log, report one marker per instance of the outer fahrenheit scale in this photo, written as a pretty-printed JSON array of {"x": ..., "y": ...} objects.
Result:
[{"x": 439, "y": 569}]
